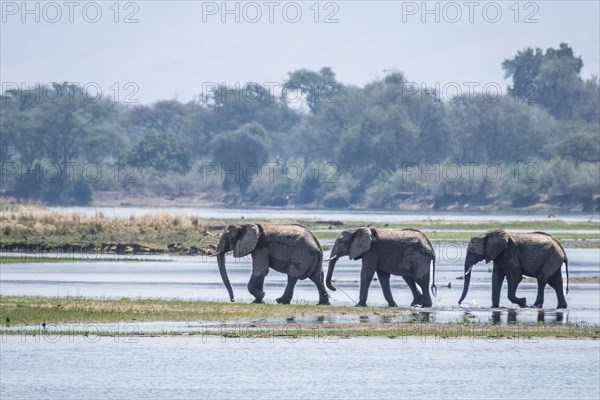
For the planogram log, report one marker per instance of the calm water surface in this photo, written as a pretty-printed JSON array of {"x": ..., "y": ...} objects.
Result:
[
  {"x": 189, "y": 277},
  {"x": 122, "y": 367},
  {"x": 309, "y": 368}
]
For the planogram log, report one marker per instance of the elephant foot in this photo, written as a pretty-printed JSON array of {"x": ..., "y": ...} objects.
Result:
[
  {"x": 426, "y": 304},
  {"x": 324, "y": 303},
  {"x": 537, "y": 306},
  {"x": 562, "y": 305},
  {"x": 392, "y": 304},
  {"x": 283, "y": 300},
  {"x": 259, "y": 299},
  {"x": 417, "y": 301},
  {"x": 495, "y": 305},
  {"x": 361, "y": 305}
]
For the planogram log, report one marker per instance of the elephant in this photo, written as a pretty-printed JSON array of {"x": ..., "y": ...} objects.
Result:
[
  {"x": 535, "y": 254},
  {"x": 291, "y": 249},
  {"x": 404, "y": 252}
]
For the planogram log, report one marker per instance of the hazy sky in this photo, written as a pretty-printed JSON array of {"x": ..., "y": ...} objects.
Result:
[{"x": 176, "y": 48}]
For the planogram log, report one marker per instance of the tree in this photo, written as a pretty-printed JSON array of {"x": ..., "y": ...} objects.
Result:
[
  {"x": 240, "y": 156},
  {"x": 549, "y": 78},
  {"x": 161, "y": 153},
  {"x": 165, "y": 117},
  {"x": 233, "y": 107},
  {"x": 316, "y": 88},
  {"x": 580, "y": 143}
]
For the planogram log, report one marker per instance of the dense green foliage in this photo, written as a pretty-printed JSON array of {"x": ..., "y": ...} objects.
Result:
[{"x": 313, "y": 141}]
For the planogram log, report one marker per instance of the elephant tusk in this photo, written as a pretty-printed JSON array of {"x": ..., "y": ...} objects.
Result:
[
  {"x": 468, "y": 271},
  {"x": 331, "y": 258}
]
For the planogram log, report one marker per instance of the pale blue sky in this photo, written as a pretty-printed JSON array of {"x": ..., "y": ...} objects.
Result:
[{"x": 170, "y": 52}]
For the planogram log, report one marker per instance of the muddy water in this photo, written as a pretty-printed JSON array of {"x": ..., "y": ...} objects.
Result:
[{"x": 308, "y": 368}]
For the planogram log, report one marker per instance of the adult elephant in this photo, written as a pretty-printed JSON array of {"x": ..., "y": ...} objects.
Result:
[
  {"x": 534, "y": 254},
  {"x": 404, "y": 252},
  {"x": 291, "y": 249}
]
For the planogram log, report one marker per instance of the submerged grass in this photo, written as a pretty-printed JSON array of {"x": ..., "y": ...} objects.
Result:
[{"x": 242, "y": 320}]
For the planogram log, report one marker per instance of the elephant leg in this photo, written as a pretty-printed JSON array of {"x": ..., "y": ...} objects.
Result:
[
  {"x": 384, "y": 280},
  {"x": 255, "y": 287},
  {"x": 288, "y": 293},
  {"x": 556, "y": 283},
  {"x": 366, "y": 276},
  {"x": 317, "y": 278},
  {"x": 513, "y": 282},
  {"x": 541, "y": 285},
  {"x": 417, "y": 295},
  {"x": 424, "y": 284},
  {"x": 497, "y": 280}
]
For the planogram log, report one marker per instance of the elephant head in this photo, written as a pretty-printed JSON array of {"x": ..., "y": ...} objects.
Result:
[
  {"x": 484, "y": 247},
  {"x": 242, "y": 239},
  {"x": 353, "y": 243}
]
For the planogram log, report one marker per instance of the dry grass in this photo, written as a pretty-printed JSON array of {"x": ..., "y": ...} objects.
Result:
[
  {"x": 32, "y": 224},
  {"x": 40, "y": 225}
]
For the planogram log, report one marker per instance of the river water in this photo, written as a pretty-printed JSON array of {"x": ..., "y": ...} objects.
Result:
[
  {"x": 309, "y": 368},
  {"x": 63, "y": 366},
  {"x": 197, "y": 278}
]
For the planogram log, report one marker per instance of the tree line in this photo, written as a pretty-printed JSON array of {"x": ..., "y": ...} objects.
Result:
[{"x": 315, "y": 141}]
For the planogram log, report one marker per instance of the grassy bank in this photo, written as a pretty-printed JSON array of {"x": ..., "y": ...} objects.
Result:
[
  {"x": 22, "y": 259},
  {"x": 247, "y": 320},
  {"x": 29, "y": 228}
]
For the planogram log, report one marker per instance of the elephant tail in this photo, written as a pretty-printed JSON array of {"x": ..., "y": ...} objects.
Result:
[
  {"x": 566, "y": 261},
  {"x": 567, "y": 269},
  {"x": 433, "y": 287}
]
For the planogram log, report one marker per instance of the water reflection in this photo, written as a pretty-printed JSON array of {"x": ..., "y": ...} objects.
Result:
[
  {"x": 516, "y": 316},
  {"x": 421, "y": 316}
]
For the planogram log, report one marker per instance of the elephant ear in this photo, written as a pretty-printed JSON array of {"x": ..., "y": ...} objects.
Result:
[
  {"x": 247, "y": 242},
  {"x": 361, "y": 242},
  {"x": 222, "y": 245},
  {"x": 495, "y": 243}
]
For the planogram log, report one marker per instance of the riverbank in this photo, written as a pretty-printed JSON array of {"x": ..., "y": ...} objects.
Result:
[
  {"x": 22, "y": 315},
  {"x": 34, "y": 229}
]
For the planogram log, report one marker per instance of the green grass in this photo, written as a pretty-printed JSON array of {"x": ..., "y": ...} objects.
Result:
[
  {"x": 246, "y": 320},
  {"x": 35, "y": 310}
]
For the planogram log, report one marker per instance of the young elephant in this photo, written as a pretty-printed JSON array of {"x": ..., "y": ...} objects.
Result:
[
  {"x": 534, "y": 254},
  {"x": 291, "y": 249},
  {"x": 405, "y": 252}
]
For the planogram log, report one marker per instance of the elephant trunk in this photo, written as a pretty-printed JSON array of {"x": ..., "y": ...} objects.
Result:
[
  {"x": 470, "y": 260},
  {"x": 223, "y": 271},
  {"x": 465, "y": 288},
  {"x": 330, "y": 269}
]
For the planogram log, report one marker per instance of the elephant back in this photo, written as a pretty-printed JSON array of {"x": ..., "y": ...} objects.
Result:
[
  {"x": 294, "y": 244},
  {"x": 535, "y": 248},
  {"x": 407, "y": 239}
]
